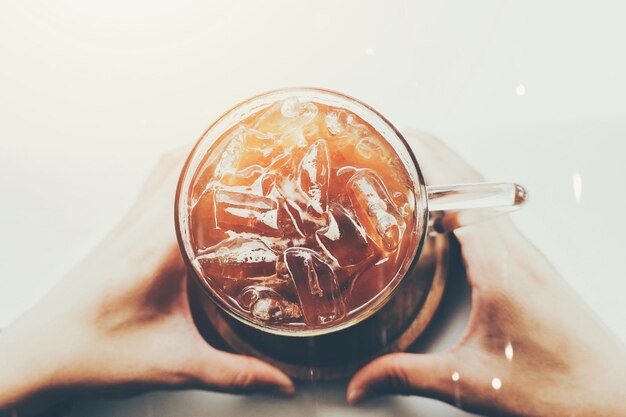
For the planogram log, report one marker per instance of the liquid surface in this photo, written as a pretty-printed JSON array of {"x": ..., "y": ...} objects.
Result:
[{"x": 301, "y": 215}]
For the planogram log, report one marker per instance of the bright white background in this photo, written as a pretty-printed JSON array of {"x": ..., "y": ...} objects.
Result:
[{"x": 91, "y": 93}]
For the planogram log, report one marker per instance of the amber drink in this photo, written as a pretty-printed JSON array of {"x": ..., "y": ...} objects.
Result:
[{"x": 300, "y": 215}]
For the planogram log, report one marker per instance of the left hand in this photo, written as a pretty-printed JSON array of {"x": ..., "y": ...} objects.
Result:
[{"x": 120, "y": 322}]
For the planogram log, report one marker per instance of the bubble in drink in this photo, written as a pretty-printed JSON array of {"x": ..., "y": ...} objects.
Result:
[{"x": 291, "y": 219}]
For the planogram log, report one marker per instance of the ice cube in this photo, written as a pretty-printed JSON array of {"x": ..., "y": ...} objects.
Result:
[
  {"x": 259, "y": 148},
  {"x": 286, "y": 115},
  {"x": 355, "y": 127},
  {"x": 222, "y": 160},
  {"x": 402, "y": 202},
  {"x": 228, "y": 158},
  {"x": 255, "y": 141},
  {"x": 345, "y": 240},
  {"x": 293, "y": 138},
  {"x": 375, "y": 210},
  {"x": 289, "y": 213},
  {"x": 369, "y": 148},
  {"x": 397, "y": 168},
  {"x": 265, "y": 182},
  {"x": 205, "y": 234},
  {"x": 205, "y": 230},
  {"x": 276, "y": 309},
  {"x": 314, "y": 175},
  {"x": 300, "y": 114},
  {"x": 238, "y": 160},
  {"x": 335, "y": 122},
  {"x": 289, "y": 190},
  {"x": 250, "y": 295},
  {"x": 233, "y": 287},
  {"x": 237, "y": 258},
  {"x": 241, "y": 149},
  {"x": 344, "y": 127},
  {"x": 300, "y": 206},
  {"x": 275, "y": 243},
  {"x": 245, "y": 177},
  {"x": 316, "y": 285},
  {"x": 266, "y": 304},
  {"x": 245, "y": 212},
  {"x": 288, "y": 221}
]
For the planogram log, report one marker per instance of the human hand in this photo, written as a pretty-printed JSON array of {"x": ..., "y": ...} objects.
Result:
[
  {"x": 120, "y": 322},
  {"x": 531, "y": 346}
]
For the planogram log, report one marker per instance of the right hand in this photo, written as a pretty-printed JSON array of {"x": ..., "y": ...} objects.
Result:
[{"x": 531, "y": 347}]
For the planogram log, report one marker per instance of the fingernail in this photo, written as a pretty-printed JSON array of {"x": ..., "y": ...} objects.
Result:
[
  {"x": 355, "y": 396},
  {"x": 286, "y": 390}
]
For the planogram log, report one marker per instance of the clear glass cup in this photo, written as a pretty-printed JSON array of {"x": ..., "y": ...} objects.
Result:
[{"x": 438, "y": 209}]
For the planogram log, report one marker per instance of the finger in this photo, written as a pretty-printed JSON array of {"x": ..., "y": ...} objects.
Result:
[
  {"x": 227, "y": 372},
  {"x": 403, "y": 373},
  {"x": 439, "y": 163}
]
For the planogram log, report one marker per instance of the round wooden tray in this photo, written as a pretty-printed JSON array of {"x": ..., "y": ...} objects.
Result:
[{"x": 336, "y": 355}]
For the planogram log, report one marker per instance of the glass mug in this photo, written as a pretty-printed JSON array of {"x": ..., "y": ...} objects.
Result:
[{"x": 428, "y": 210}]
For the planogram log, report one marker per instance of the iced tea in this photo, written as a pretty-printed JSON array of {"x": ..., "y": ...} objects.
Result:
[{"x": 301, "y": 215}]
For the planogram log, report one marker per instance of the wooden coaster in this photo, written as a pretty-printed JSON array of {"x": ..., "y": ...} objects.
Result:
[{"x": 336, "y": 355}]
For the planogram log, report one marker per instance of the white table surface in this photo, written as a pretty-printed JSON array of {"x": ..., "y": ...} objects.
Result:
[{"x": 91, "y": 93}]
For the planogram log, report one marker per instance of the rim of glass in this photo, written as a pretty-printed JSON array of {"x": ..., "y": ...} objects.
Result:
[{"x": 323, "y": 96}]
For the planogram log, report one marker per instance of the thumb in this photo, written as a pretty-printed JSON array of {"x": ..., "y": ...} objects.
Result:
[
  {"x": 403, "y": 373},
  {"x": 227, "y": 372}
]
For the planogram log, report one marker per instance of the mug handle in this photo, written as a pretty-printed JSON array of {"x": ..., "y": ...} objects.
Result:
[{"x": 457, "y": 205}]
